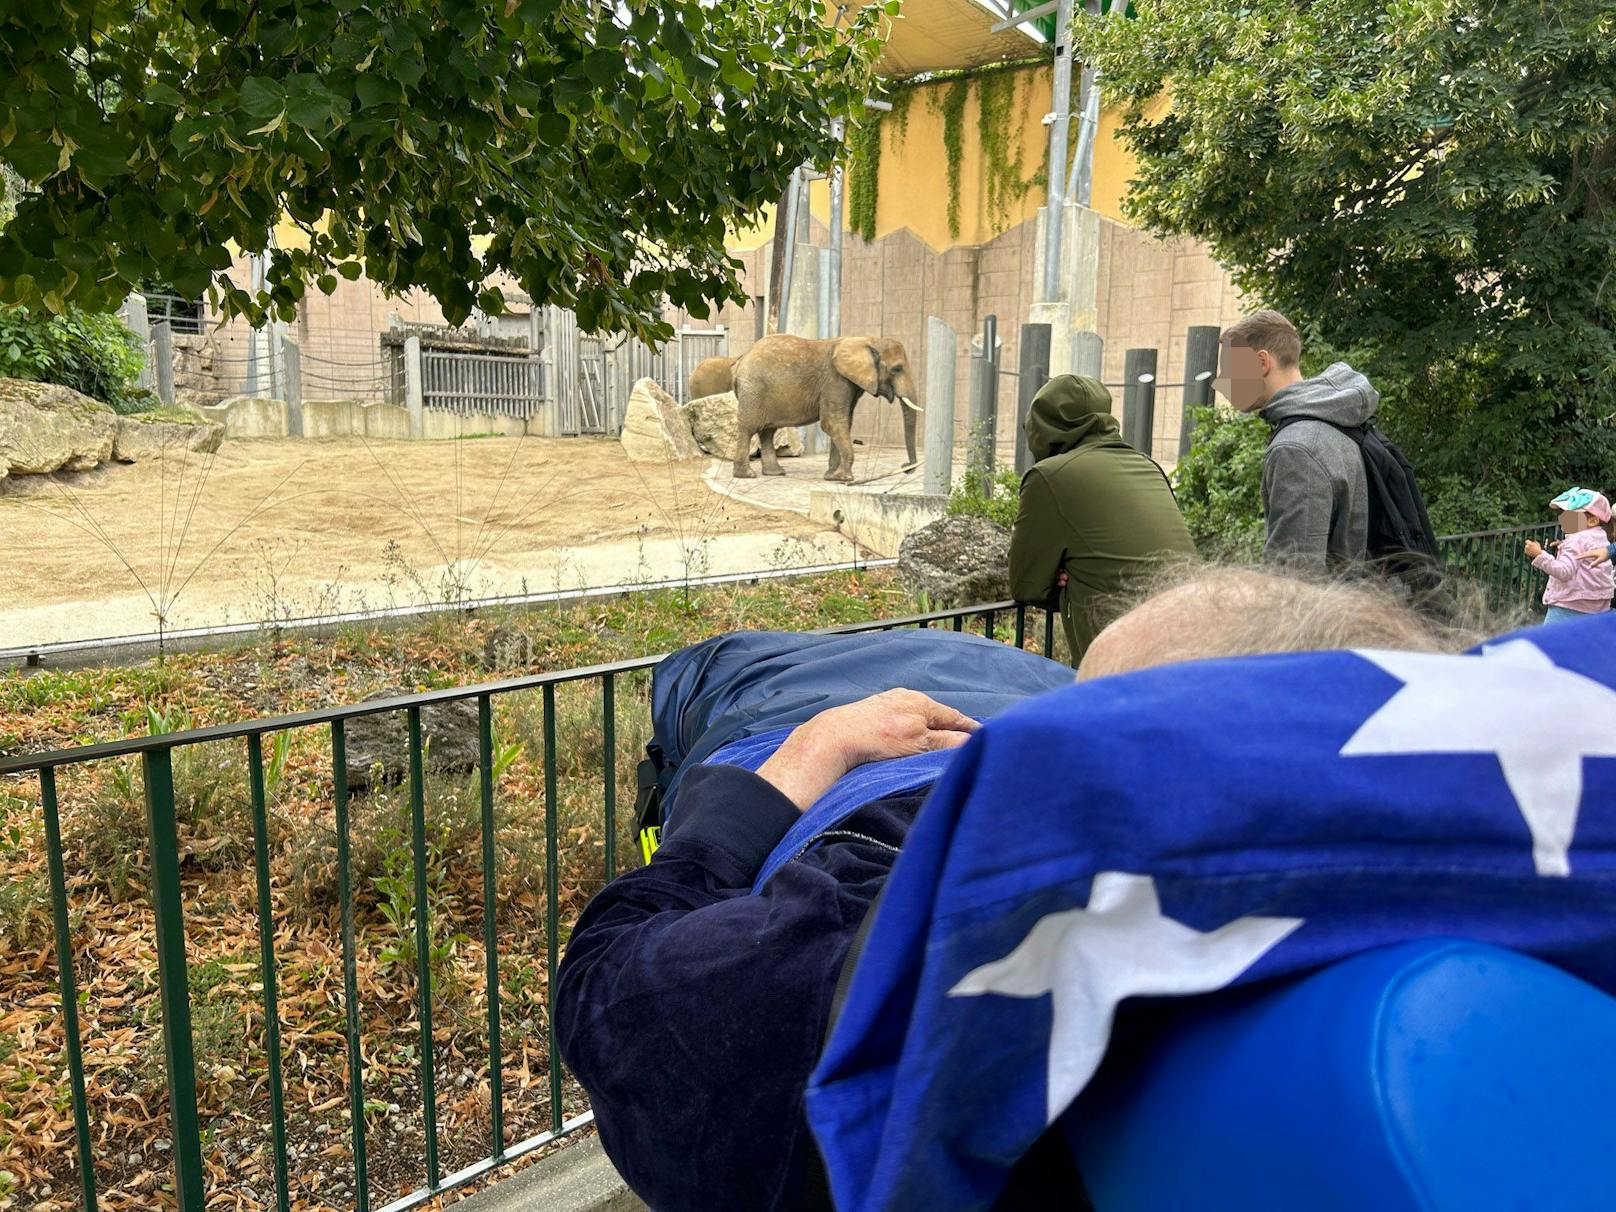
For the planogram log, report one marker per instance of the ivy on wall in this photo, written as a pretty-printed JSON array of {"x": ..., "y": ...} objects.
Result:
[
  {"x": 998, "y": 125},
  {"x": 863, "y": 174}
]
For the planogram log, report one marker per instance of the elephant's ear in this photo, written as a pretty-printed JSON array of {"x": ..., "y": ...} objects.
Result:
[{"x": 857, "y": 361}]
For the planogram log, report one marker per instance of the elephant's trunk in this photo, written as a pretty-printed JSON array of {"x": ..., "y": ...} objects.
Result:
[{"x": 910, "y": 411}]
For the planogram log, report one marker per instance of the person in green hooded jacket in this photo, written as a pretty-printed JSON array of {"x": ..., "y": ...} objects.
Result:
[{"x": 1093, "y": 509}]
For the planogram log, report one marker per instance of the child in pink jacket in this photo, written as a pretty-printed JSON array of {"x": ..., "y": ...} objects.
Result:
[{"x": 1577, "y": 585}]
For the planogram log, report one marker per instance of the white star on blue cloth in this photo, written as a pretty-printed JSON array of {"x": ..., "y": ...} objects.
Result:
[
  {"x": 1513, "y": 701},
  {"x": 1120, "y": 946}
]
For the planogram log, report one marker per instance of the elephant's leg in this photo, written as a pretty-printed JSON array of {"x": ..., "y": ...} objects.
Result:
[
  {"x": 743, "y": 452},
  {"x": 771, "y": 461},
  {"x": 839, "y": 428}
]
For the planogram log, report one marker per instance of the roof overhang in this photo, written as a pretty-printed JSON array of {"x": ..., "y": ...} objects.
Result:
[{"x": 949, "y": 35}]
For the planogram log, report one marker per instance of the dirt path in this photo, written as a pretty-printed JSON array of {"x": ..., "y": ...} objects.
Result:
[{"x": 279, "y": 529}]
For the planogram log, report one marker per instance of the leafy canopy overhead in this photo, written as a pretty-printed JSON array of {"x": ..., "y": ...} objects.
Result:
[
  {"x": 1427, "y": 184},
  {"x": 593, "y": 152}
]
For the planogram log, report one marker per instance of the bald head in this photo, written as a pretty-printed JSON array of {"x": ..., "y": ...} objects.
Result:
[{"x": 1222, "y": 612}]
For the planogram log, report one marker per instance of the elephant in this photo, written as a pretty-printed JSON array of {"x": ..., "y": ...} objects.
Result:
[
  {"x": 712, "y": 376},
  {"x": 787, "y": 380}
]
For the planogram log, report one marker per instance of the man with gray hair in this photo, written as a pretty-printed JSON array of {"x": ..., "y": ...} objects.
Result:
[{"x": 1314, "y": 488}]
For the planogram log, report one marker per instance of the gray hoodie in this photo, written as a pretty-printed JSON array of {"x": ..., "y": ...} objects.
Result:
[{"x": 1315, "y": 494}]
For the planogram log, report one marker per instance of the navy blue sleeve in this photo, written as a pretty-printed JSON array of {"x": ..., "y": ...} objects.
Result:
[{"x": 693, "y": 1011}]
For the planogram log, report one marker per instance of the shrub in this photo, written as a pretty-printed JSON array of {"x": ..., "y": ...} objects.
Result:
[
  {"x": 995, "y": 496},
  {"x": 1219, "y": 484},
  {"x": 90, "y": 352}
]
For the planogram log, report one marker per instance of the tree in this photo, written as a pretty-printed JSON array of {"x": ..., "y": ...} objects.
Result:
[
  {"x": 594, "y": 152},
  {"x": 1429, "y": 186}
]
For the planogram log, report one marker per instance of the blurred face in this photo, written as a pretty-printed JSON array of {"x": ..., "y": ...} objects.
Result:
[
  {"x": 1571, "y": 523},
  {"x": 1243, "y": 381}
]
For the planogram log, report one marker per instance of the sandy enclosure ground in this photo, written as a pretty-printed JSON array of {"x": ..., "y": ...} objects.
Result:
[{"x": 280, "y": 529}]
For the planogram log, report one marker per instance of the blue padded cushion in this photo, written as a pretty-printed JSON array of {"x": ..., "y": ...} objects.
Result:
[{"x": 1436, "y": 1075}]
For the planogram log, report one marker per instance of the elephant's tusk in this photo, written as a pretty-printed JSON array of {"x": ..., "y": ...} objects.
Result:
[{"x": 908, "y": 403}]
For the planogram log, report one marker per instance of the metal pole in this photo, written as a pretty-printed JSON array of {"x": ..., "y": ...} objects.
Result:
[
  {"x": 1034, "y": 373},
  {"x": 939, "y": 435},
  {"x": 1080, "y": 185},
  {"x": 292, "y": 358},
  {"x": 1139, "y": 398},
  {"x": 1055, "y": 213},
  {"x": 834, "y": 329},
  {"x": 790, "y": 242},
  {"x": 1200, "y": 365}
]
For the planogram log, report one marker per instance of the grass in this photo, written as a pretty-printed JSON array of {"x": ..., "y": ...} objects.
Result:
[{"x": 112, "y": 923}]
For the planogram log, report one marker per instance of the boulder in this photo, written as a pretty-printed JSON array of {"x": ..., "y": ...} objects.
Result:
[
  {"x": 712, "y": 421},
  {"x": 147, "y": 437},
  {"x": 45, "y": 428},
  {"x": 378, "y": 745},
  {"x": 654, "y": 429},
  {"x": 957, "y": 561}
]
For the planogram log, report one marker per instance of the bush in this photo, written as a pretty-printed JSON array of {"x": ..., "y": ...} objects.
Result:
[
  {"x": 90, "y": 352},
  {"x": 1219, "y": 484},
  {"x": 995, "y": 496}
]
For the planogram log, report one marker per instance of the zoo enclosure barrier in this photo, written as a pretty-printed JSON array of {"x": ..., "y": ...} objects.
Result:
[
  {"x": 156, "y": 754},
  {"x": 1492, "y": 561}
]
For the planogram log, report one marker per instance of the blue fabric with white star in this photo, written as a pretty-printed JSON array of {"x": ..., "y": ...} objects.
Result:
[{"x": 1181, "y": 829}]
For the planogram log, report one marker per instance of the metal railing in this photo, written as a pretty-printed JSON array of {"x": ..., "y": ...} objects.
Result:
[
  {"x": 1492, "y": 561},
  {"x": 156, "y": 754}
]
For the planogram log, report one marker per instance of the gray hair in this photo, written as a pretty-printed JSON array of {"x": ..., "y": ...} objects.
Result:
[{"x": 1194, "y": 611}]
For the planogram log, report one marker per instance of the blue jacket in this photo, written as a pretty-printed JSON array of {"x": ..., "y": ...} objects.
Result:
[{"x": 693, "y": 1011}]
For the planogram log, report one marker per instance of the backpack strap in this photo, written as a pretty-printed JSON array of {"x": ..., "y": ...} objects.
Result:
[{"x": 648, "y": 800}]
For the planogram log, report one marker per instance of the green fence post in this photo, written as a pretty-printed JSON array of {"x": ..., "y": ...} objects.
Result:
[
  {"x": 423, "y": 948},
  {"x": 172, "y": 979},
  {"x": 496, "y": 1053},
  {"x": 70, "y": 997},
  {"x": 552, "y": 889}
]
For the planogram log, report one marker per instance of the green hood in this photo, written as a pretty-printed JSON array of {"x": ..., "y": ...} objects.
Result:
[{"x": 1068, "y": 411}]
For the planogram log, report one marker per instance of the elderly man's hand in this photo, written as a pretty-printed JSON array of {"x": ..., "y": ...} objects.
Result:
[{"x": 893, "y": 724}]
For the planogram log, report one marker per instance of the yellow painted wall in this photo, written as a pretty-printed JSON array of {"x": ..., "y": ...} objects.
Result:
[{"x": 913, "y": 190}]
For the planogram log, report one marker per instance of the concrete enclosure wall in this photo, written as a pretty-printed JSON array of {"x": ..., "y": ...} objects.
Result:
[{"x": 246, "y": 417}]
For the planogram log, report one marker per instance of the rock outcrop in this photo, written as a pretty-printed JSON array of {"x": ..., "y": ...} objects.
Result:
[
  {"x": 957, "y": 561},
  {"x": 378, "y": 745},
  {"x": 45, "y": 427},
  {"x": 713, "y": 424},
  {"x": 654, "y": 430},
  {"x": 148, "y": 438}
]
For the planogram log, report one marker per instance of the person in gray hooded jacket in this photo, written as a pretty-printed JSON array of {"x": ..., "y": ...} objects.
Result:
[{"x": 1314, "y": 489}]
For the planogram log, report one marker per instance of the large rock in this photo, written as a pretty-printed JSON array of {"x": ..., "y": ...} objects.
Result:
[
  {"x": 957, "y": 561},
  {"x": 712, "y": 421},
  {"x": 148, "y": 438},
  {"x": 45, "y": 428},
  {"x": 378, "y": 745},
  {"x": 654, "y": 430}
]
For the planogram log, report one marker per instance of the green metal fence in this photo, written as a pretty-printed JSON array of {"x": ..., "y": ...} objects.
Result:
[
  {"x": 1491, "y": 559},
  {"x": 156, "y": 754},
  {"x": 1493, "y": 562}
]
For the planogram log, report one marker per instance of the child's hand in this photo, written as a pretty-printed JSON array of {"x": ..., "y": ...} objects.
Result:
[
  {"x": 1598, "y": 556},
  {"x": 1533, "y": 549}
]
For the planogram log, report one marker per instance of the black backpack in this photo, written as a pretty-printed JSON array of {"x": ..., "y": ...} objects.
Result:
[{"x": 1401, "y": 541}]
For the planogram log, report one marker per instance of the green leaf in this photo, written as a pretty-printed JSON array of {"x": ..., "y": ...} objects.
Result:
[
  {"x": 553, "y": 129},
  {"x": 350, "y": 270},
  {"x": 603, "y": 66}
]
